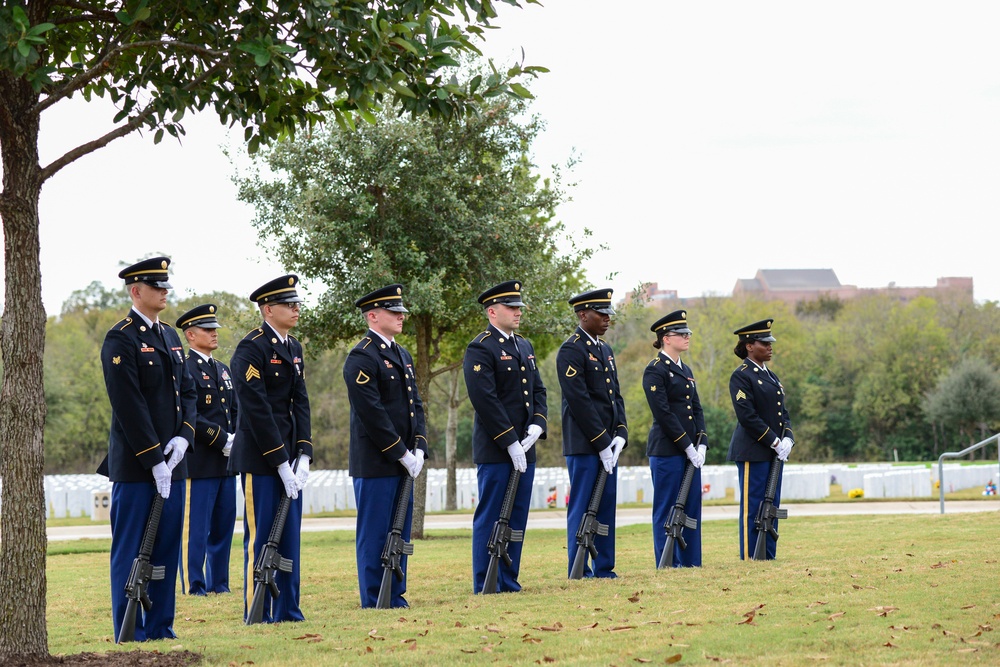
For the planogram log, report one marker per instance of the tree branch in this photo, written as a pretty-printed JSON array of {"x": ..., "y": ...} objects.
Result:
[
  {"x": 446, "y": 369},
  {"x": 133, "y": 124},
  {"x": 104, "y": 62}
]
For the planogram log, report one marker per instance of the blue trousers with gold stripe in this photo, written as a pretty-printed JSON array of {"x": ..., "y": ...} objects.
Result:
[
  {"x": 667, "y": 472},
  {"x": 262, "y": 493},
  {"x": 375, "y": 515},
  {"x": 753, "y": 486},
  {"x": 130, "y": 505},
  {"x": 492, "y": 482},
  {"x": 583, "y": 471},
  {"x": 209, "y": 520}
]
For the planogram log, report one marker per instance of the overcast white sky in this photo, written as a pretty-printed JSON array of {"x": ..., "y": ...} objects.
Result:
[{"x": 717, "y": 138}]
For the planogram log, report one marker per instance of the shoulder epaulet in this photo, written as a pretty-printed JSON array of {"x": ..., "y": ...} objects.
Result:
[
  {"x": 743, "y": 367},
  {"x": 573, "y": 338},
  {"x": 655, "y": 360},
  {"x": 363, "y": 343},
  {"x": 122, "y": 323},
  {"x": 481, "y": 337},
  {"x": 292, "y": 337},
  {"x": 254, "y": 334},
  {"x": 187, "y": 356}
]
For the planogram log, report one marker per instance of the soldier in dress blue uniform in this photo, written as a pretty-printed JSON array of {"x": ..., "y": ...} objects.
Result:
[
  {"x": 388, "y": 435},
  {"x": 763, "y": 430},
  {"x": 210, "y": 511},
  {"x": 507, "y": 394},
  {"x": 678, "y": 423},
  {"x": 273, "y": 434},
  {"x": 152, "y": 426},
  {"x": 594, "y": 426}
]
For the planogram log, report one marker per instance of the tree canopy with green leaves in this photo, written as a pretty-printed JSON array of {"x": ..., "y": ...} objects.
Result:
[
  {"x": 271, "y": 67},
  {"x": 446, "y": 209}
]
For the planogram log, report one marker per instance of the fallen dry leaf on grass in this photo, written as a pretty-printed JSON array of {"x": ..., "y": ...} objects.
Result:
[
  {"x": 531, "y": 640},
  {"x": 589, "y": 627},
  {"x": 816, "y": 603},
  {"x": 968, "y": 606},
  {"x": 555, "y": 627},
  {"x": 374, "y": 634},
  {"x": 939, "y": 564},
  {"x": 635, "y": 596},
  {"x": 672, "y": 659},
  {"x": 309, "y": 635},
  {"x": 833, "y": 617},
  {"x": 890, "y": 645},
  {"x": 642, "y": 660},
  {"x": 967, "y": 650},
  {"x": 619, "y": 628}
]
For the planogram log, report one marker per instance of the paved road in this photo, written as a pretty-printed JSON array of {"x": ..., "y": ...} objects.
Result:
[{"x": 557, "y": 519}]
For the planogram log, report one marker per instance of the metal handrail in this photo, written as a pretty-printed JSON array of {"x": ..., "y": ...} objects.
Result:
[{"x": 967, "y": 450}]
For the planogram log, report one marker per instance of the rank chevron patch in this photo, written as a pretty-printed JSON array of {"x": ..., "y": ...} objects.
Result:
[{"x": 252, "y": 373}]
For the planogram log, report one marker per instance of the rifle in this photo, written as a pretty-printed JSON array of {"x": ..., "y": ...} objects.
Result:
[
  {"x": 142, "y": 573},
  {"x": 502, "y": 535},
  {"x": 270, "y": 561},
  {"x": 395, "y": 547},
  {"x": 678, "y": 520},
  {"x": 767, "y": 512},
  {"x": 589, "y": 526}
]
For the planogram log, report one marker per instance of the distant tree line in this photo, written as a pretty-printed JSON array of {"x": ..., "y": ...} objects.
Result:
[{"x": 864, "y": 378}]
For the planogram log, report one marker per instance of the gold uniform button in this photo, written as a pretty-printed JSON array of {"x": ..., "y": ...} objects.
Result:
[
  {"x": 610, "y": 391},
  {"x": 690, "y": 417},
  {"x": 527, "y": 405},
  {"x": 411, "y": 414},
  {"x": 151, "y": 363},
  {"x": 522, "y": 368},
  {"x": 411, "y": 401},
  {"x": 524, "y": 380},
  {"x": 223, "y": 400},
  {"x": 525, "y": 392},
  {"x": 409, "y": 389}
]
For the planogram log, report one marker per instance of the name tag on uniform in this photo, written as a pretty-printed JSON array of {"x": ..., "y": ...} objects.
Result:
[
  {"x": 147, "y": 349},
  {"x": 505, "y": 357},
  {"x": 275, "y": 361}
]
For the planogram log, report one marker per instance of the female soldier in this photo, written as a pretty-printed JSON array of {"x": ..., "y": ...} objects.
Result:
[
  {"x": 763, "y": 430},
  {"x": 678, "y": 422}
]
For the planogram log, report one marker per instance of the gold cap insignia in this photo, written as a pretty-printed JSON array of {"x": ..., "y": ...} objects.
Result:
[
  {"x": 517, "y": 286},
  {"x": 211, "y": 309},
  {"x": 163, "y": 265},
  {"x": 399, "y": 290},
  {"x": 291, "y": 281}
]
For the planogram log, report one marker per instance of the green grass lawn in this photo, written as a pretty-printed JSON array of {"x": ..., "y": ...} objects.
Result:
[{"x": 894, "y": 590}]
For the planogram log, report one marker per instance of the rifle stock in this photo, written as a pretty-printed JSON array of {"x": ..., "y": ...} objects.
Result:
[
  {"x": 502, "y": 535},
  {"x": 142, "y": 573},
  {"x": 767, "y": 513},
  {"x": 395, "y": 547},
  {"x": 269, "y": 562},
  {"x": 589, "y": 527},
  {"x": 678, "y": 520}
]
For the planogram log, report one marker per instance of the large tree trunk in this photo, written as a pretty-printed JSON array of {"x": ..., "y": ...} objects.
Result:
[
  {"x": 22, "y": 396},
  {"x": 451, "y": 438},
  {"x": 423, "y": 372}
]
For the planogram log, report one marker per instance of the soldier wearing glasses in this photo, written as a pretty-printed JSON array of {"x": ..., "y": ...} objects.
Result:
[
  {"x": 678, "y": 421},
  {"x": 273, "y": 433}
]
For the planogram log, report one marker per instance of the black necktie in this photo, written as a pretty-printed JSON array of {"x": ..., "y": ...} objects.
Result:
[{"x": 211, "y": 363}]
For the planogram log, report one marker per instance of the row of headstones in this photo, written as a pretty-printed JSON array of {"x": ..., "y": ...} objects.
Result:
[{"x": 332, "y": 490}]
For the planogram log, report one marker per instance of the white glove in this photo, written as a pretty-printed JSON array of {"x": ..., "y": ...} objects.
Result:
[
  {"x": 419, "y": 453},
  {"x": 534, "y": 432},
  {"x": 693, "y": 456},
  {"x": 516, "y": 452},
  {"x": 607, "y": 459},
  {"x": 411, "y": 463},
  {"x": 617, "y": 444},
  {"x": 176, "y": 448},
  {"x": 289, "y": 480},
  {"x": 784, "y": 448},
  {"x": 161, "y": 475},
  {"x": 701, "y": 452},
  {"x": 228, "y": 447},
  {"x": 302, "y": 471}
]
